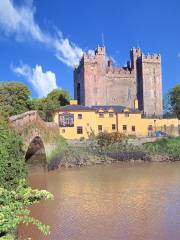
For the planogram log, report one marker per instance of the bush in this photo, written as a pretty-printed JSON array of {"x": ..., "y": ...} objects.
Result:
[
  {"x": 82, "y": 139},
  {"x": 166, "y": 146},
  {"x": 14, "y": 98},
  {"x": 12, "y": 163},
  {"x": 13, "y": 209},
  {"x": 61, "y": 146},
  {"x": 15, "y": 196},
  {"x": 105, "y": 139}
]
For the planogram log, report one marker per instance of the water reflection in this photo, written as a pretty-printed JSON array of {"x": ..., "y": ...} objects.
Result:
[{"x": 120, "y": 201}]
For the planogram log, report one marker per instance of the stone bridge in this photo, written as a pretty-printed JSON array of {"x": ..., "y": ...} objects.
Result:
[{"x": 38, "y": 135}]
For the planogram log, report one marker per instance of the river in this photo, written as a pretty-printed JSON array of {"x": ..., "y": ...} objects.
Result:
[{"x": 123, "y": 201}]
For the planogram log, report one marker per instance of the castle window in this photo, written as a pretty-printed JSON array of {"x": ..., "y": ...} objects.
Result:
[
  {"x": 79, "y": 116},
  {"x": 126, "y": 114},
  {"x": 79, "y": 130},
  {"x": 100, "y": 128},
  {"x": 113, "y": 126},
  {"x": 133, "y": 128},
  {"x": 101, "y": 114},
  {"x": 124, "y": 127},
  {"x": 111, "y": 114}
]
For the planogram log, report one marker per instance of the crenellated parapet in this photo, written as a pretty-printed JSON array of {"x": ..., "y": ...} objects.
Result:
[
  {"x": 120, "y": 71},
  {"x": 151, "y": 58},
  {"x": 98, "y": 81}
]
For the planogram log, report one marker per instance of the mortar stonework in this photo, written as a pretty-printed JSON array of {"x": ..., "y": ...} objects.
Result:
[{"x": 98, "y": 82}]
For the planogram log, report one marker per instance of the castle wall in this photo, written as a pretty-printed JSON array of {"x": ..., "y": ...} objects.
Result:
[
  {"x": 79, "y": 88},
  {"x": 97, "y": 82},
  {"x": 120, "y": 87},
  {"x": 152, "y": 84}
]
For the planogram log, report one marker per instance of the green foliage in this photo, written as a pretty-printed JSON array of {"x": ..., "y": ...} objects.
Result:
[
  {"x": 175, "y": 100},
  {"x": 15, "y": 196},
  {"x": 165, "y": 146},
  {"x": 59, "y": 96},
  {"x": 82, "y": 139},
  {"x": 61, "y": 147},
  {"x": 105, "y": 139},
  {"x": 12, "y": 164},
  {"x": 46, "y": 106},
  {"x": 14, "y": 98},
  {"x": 13, "y": 209}
]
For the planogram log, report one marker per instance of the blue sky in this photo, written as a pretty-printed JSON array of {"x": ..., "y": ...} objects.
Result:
[{"x": 40, "y": 41}]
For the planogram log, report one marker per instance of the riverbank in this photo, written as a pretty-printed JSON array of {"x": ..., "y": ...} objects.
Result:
[{"x": 85, "y": 153}]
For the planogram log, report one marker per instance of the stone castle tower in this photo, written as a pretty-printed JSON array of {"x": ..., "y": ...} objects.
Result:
[{"x": 98, "y": 82}]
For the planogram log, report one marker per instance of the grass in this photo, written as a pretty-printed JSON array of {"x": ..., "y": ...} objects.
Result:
[
  {"x": 61, "y": 147},
  {"x": 74, "y": 154},
  {"x": 165, "y": 146}
]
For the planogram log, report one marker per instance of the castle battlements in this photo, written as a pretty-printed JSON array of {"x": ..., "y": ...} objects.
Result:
[
  {"x": 151, "y": 57},
  {"x": 119, "y": 71},
  {"x": 98, "y": 82}
]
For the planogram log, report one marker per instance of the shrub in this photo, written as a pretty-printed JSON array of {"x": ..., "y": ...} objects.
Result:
[
  {"x": 166, "y": 146},
  {"x": 81, "y": 139},
  {"x": 105, "y": 139},
  {"x": 12, "y": 163},
  {"x": 61, "y": 146},
  {"x": 15, "y": 196},
  {"x": 13, "y": 209}
]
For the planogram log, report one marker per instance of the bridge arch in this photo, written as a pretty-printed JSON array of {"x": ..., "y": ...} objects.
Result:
[
  {"x": 37, "y": 134},
  {"x": 36, "y": 147}
]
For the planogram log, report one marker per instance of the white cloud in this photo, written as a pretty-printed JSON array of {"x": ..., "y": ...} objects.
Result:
[
  {"x": 20, "y": 22},
  {"x": 43, "y": 82},
  {"x": 68, "y": 52}
]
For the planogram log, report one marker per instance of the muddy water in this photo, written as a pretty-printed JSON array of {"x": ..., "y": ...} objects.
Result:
[{"x": 115, "y": 202}]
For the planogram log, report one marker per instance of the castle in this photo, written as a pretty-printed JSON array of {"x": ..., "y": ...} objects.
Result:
[{"x": 138, "y": 85}]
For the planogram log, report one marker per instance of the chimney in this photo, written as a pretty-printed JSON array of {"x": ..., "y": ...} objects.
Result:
[
  {"x": 136, "y": 104},
  {"x": 73, "y": 102}
]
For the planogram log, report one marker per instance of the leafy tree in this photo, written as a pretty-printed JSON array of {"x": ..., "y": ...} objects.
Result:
[
  {"x": 59, "y": 96},
  {"x": 14, "y": 98},
  {"x": 12, "y": 164},
  {"x": 46, "y": 106},
  {"x": 166, "y": 104},
  {"x": 15, "y": 196},
  {"x": 13, "y": 209},
  {"x": 175, "y": 100}
]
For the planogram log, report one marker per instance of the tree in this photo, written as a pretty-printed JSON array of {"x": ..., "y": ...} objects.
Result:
[
  {"x": 175, "y": 100},
  {"x": 167, "y": 108},
  {"x": 46, "y": 106},
  {"x": 12, "y": 163},
  {"x": 15, "y": 196},
  {"x": 13, "y": 209},
  {"x": 59, "y": 96},
  {"x": 14, "y": 98}
]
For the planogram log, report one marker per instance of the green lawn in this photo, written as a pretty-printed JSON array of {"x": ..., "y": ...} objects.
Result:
[{"x": 166, "y": 146}]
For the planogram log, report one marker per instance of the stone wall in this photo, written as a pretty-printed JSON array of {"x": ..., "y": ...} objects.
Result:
[
  {"x": 98, "y": 82},
  {"x": 152, "y": 84}
]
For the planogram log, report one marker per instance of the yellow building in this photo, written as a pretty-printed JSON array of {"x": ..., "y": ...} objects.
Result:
[{"x": 76, "y": 121}]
